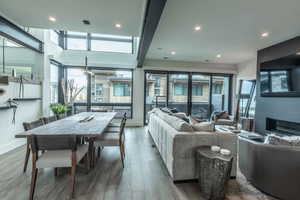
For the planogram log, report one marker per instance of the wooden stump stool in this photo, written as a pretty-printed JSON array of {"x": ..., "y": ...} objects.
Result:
[{"x": 213, "y": 173}]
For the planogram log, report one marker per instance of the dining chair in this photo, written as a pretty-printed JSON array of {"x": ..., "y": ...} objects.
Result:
[
  {"x": 28, "y": 126},
  {"x": 60, "y": 152},
  {"x": 113, "y": 139},
  {"x": 48, "y": 120},
  {"x": 116, "y": 126}
]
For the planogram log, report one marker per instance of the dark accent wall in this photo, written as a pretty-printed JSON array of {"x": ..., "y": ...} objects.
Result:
[{"x": 282, "y": 108}]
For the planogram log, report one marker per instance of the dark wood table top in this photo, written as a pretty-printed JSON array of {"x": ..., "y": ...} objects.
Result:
[{"x": 73, "y": 126}]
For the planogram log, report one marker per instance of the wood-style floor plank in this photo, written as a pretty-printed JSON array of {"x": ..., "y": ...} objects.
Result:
[{"x": 143, "y": 178}]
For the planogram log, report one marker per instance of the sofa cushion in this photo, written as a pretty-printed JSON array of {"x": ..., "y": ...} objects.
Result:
[
  {"x": 203, "y": 126},
  {"x": 175, "y": 122}
]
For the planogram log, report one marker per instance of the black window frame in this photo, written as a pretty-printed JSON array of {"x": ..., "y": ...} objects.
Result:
[{"x": 189, "y": 101}]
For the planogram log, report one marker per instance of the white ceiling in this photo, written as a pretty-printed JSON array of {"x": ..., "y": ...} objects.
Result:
[
  {"x": 103, "y": 14},
  {"x": 229, "y": 27}
]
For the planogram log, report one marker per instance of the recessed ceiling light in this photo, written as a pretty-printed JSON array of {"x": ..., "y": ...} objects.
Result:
[
  {"x": 197, "y": 28},
  {"x": 173, "y": 52},
  {"x": 52, "y": 19},
  {"x": 265, "y": 34},
  {"x": 118, "y": 25},
  {"x": 86, "y": 22},
  {"x": 219, "y": 56}
]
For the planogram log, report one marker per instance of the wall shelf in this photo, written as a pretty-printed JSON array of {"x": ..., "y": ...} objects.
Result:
[
  {"x": 7, "y": 79},
  {"x": 6, "y": 107},
  {"x": 27, "y": 99}
]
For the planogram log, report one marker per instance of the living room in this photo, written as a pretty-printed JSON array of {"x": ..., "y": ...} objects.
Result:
[{"x": 201, "y": 97}]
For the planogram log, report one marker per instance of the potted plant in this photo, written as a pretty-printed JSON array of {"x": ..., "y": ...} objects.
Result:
[{"x": 59, "y": 110}]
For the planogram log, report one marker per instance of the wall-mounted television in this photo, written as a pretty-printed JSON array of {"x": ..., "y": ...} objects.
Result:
[{"x": 280, "y": 77}]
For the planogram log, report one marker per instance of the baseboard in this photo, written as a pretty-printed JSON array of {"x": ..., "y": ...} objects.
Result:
[{"x": 12, "y": 145}]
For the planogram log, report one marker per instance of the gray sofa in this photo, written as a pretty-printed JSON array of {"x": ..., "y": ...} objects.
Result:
[
  {"x": 177, "y": 148},
  {"x": 274, "y": 169}
]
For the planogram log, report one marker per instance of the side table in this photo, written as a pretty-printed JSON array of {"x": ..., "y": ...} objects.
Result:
[{"x": 213, "y": 173}]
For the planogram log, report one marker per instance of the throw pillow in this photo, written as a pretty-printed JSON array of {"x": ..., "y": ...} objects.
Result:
[
  {"x": 203, "y": 126},
  {"x": 193, "y": 120},
  {"x": 283, "y": 140},
  {"x": 182, "y": 116}
]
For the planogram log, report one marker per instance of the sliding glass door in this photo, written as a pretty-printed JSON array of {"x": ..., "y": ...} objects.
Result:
[
  {"x": 196, "y": 94},
  {"x": 178, "y": 92},
  {"x": 155, "y": 91},
  {"x": 200, "y": 96},
  {"x": 220, "y": 93}
]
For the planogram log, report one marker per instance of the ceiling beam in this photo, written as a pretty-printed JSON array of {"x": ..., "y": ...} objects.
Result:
[{"x": 153, "y": 13}]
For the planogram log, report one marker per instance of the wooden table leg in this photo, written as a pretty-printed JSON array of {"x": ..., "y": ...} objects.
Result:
[{"x": 92, "y": 152}]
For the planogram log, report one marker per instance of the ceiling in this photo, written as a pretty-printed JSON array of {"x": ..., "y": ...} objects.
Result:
[
  {"x": 231, "y": 28},
  {"x": 103, "y": 14}
]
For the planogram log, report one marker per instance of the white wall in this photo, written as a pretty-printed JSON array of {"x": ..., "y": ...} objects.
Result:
[
  {"x": 26, "y": 111},
  {"x": 247, "y": 70}
]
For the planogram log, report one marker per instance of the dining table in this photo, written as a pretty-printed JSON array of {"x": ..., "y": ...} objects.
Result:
[{"x": 84, "y": 125}]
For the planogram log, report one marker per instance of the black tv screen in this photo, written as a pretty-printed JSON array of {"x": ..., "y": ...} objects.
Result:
[{"x": 281, "y": 77}]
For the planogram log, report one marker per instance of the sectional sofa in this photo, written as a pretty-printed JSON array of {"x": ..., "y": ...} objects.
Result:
[{"x": 176, "y": 142}]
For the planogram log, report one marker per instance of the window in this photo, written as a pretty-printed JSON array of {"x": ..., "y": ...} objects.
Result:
[
  {"x": 111, "y": 43},
  {"x": 54, "y": 36},
  {"x": 157, "y": 82},
  {"x": 53, "y": 83},
  {"x": 76, "y": 40},
  {"x": 111, "y": 90},
  {"x": 78, "y": 80},
  {"x": 197, "y": 90},
  {"x": 180, "y": 89},
  {"x": 157, "y": 92},
  {"x": 217, "y": 88},
  {"x": 99, "y": 89},
  {"x": 121, "y": 90}
]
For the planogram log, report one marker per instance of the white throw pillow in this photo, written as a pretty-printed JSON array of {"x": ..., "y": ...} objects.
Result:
[{"x": 203, "y": 126}]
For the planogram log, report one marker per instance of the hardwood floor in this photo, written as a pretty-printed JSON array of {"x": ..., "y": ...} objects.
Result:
[{"x": 143, "y": 178}]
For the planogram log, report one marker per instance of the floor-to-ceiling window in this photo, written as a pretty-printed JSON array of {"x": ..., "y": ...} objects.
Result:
[
  {"x": 220, "y": 96},
  {"x": 197, "y": 94},
  {"x": 155, "y": 91},
  {"x": 178, "y": 91},
  {"x": 200, "y": 96},
  {"x": 101, "y": 89},
  {"x": 54, "y": 83},
  {"x": 111, "y": 90}
]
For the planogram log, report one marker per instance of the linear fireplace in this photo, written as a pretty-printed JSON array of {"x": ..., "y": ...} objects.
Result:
[{"x": 282, "y": 127}]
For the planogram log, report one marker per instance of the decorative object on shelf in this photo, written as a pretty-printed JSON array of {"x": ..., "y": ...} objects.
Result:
[
  {"x": 213, "y": 173},
  {"x": 2, "y": 91},
  {"x": 59, "y": 110},
  {"x": 14, "y": 105}
]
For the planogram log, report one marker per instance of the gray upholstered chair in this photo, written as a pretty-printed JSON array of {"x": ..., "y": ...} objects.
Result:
[
  {"x": 113, "y": 139},
  {"x": 48, "y": 120},
  {"x": 28, "y": 126},
  {"x": 60, "y": 151}
]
